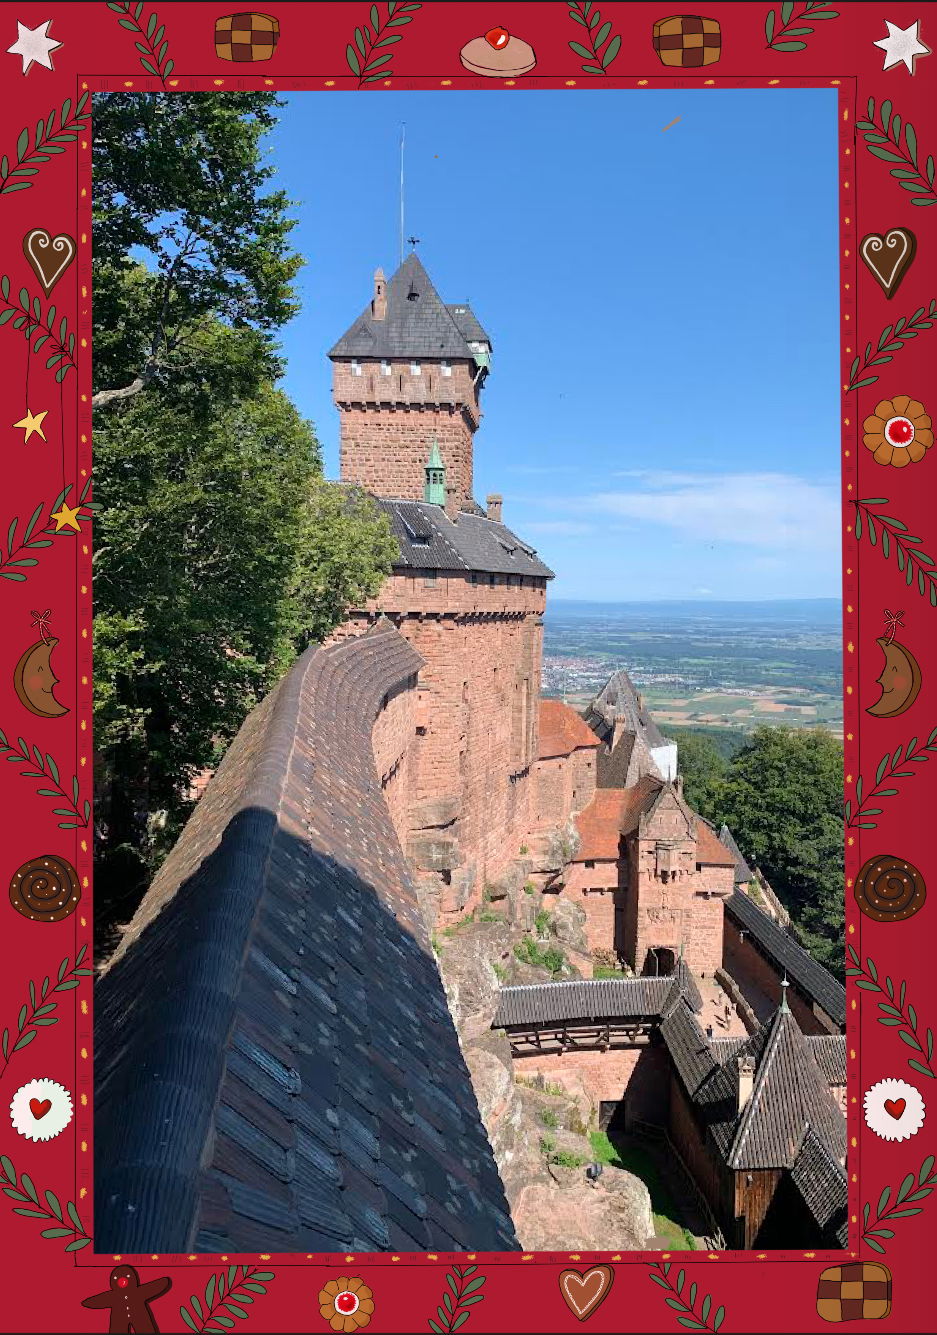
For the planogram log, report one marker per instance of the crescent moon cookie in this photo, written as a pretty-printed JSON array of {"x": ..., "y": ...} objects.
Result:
[
  {"x": 498, "y": 55},
  {"x": 889, "y": 889},
  {"x": 45, "y": 889}
]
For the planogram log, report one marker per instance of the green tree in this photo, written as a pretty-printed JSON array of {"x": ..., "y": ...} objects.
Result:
[
  {"x": 220, "y": 550},
  {"x": 782, "y": 798},
  {"x": 703, "y": 768}
]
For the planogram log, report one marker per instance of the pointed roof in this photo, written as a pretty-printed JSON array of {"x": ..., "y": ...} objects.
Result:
[
  {"x": 435, "y": 458},
  {"x": 743, "y": 873},
  {"x": 417, "y": 322}
]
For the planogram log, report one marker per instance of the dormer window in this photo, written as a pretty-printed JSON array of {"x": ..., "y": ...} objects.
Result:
[
  {"x": 355, "y": 368},
  {"x": 385, "y": 368},
  {"x": 445, "y": 369},
  {"x": 415, "y": 368}
]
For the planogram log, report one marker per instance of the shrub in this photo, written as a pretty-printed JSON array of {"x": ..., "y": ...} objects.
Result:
[
  {"x": 487, "y": 915},
  {"x": 524, "y": 849},
  {"x": 549, "y": 1118},
  {"x": 500, "y": 971},
  {"x": 528, "y": 951},
  {"x": 565, "y": 1159},
  {"x": 542, "y": 922},
  {"x": 547, "y": 1145}
]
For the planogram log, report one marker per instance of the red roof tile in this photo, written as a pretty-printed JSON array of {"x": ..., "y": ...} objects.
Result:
[
  {"x": 710, "y": 849},
  {"x": 611, "y": 811},
  {"x": 562, "y": 730}
]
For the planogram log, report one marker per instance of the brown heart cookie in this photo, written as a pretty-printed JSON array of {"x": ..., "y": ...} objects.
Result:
[
  {"x": 48, "y": 255},
  {"x": 888, "y": 257},
  {"x": 584, "y": 1290}
]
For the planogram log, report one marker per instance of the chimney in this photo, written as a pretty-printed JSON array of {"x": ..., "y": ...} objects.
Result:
[
  {"x": 379, "y": 302},
  {"x": 746, "y": 1080},
  {"x": 452, "y": 503},
  {"x": 493, "y": 505}
]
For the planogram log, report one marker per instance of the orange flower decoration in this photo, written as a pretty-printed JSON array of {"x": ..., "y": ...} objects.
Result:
[
  {"x": 346, "y": 1304},
  {"x": 898, "y": 432}
]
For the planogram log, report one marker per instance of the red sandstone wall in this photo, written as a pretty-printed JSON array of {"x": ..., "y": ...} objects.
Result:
[
  {"x": 639, "y": 1075},
  {"x": 387, "y": 424},
  {"x": 392, "y": 738},
  {"x": 595, "y": 890},
  {"x": 745, "y": 963}
]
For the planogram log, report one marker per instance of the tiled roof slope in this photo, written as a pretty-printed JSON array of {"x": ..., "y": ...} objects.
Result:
[
  {"x": 562, "y": 730},
  {"x": 581, "y": 999},
  {"x": 821, "y": 1182},
  {"x": 802, "y": 969},
  {"x": 743, "y": 873},
  {"x": 612, "y": 812},
  {"x": 429, "y": 540},
  {"x": 276, "y": 1066},
  {"x": 619, "y": 696},
  {"x": 417, "y": 323},
  {"x": 829, "y": 1052}
]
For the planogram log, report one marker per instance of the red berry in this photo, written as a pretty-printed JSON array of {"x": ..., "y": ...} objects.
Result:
[{"x": 497, "y": 37}]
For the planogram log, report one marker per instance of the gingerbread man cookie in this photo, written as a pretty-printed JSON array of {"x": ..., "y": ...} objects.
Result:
[{"x": 129, "y": 1301}]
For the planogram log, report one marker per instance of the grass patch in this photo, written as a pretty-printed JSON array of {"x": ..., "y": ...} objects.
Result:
[
  {"x": 530, "y": 953},
  {"x": 488, "y": 915},
  {"x": 549, "y": 1118},
  {"x": 542, "y": 922},
  {"x": 601, "y": 971},
  {"x": 637, "y": 1160},
  {"x": 463, "y": 922}
]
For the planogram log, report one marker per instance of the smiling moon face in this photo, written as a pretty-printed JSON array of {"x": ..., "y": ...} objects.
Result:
[
  {"x": 900, "y": 681},
  {"x": 34, "y": 681}
]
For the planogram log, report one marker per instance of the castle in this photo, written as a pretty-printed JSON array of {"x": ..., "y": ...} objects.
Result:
[{"x": 292, "y": 1078}]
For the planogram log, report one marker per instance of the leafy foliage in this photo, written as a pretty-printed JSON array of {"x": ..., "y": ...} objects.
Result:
[
  {"x": 778, "y": 38},
  {"x": 602, "y": 47},
  {"x": 691, "y": 1319},
  {"x": 892, "y": 339},
  {"x": 888, "y": 770},
  {"x": 22, "y": 1189},
  {"x": 151, "y": 40},
  {"x": 227, "y": 1292},
  {"x": 704, "y": 766},
  {"x": 895, "y": 1013},
  {"x": 28, "y": 316},
  {"x": 911, "y": 1189},
  {"x": 46, "y": 142},
  {"x": 883, "y": 139},
  {"x": 782, "y": 799},
  {"x": 895, "y": 537},
  {"x": 38, "y": 1013},
  {"x": 221, "y": 552},
  {"x": 360, "y": 56},
  {"x": 461, "y": 1292}
]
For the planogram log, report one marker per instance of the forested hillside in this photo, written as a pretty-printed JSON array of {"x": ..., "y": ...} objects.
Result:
[{"x": 220, "y": 551}]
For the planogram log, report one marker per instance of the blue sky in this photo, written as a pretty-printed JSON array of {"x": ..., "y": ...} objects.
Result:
[{"x": 662, "y": 413}]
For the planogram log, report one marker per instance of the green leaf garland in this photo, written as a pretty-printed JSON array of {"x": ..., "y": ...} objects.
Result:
[
  {"x": 151, "y": 40},
  {"x": 44, "y": 767},
  {"x": 47, "y": 141},
  {"x": 462, "y": 1293},
  {"x": 227, "y": 1291},
  {"x": 883, "y": 140},
  {"x": 38, "y": 1013},
  {"x": 893, "y": 537},
  {"x": 691, "y": 1319},
  {"x": 778, "y": 38},
  {"x": 23, "y": 1189},
  {"x": 892, "y": 339},
  {"x": 26, "y": 314},
  {"x": 11, "y": 564},
  {"x": 370, "y": 37},
  {"x": 602, "y": 47},
  {"x": 913, "y": 1188},
  {"x": 896, "y": 1013}
]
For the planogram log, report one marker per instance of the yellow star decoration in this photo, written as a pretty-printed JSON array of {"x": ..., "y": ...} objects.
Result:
[
  {"x": 32, "y": 424},
  {"x": 67, "y": 517}
]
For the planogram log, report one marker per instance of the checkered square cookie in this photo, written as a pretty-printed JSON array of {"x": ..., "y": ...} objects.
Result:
[
  {"x": 687, "y": 41},
  {"x": 246, "y": 36},
  {"x": 859, "y": 1291}
]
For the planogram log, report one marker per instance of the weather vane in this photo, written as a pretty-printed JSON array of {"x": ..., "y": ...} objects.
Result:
[{"x": 413, "y": 240}]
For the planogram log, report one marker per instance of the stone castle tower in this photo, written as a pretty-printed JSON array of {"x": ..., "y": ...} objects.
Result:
[
  {"x": 408, "y": 372},
  {"x": 465, "y": 591}
]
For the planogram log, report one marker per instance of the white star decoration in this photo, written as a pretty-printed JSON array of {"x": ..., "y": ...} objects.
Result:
[
  {"x": 902, "y": 44},
  {"x": 34, "y": 45}
]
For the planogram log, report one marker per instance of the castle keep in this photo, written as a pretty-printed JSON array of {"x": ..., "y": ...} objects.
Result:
[{"x": 287, "y": 1060}]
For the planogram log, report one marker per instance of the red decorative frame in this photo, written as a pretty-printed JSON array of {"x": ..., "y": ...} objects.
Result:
[{"x": 50, "y": 1183}]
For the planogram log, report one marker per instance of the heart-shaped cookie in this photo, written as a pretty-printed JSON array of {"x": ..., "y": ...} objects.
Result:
[
  {"x": 39, "y": 1107},
  {"x": 584, "y": 1290},
  {"x": 48, "y": 255},
  {"x": 895, "y": 1107},
  {"x": 888, "y": 257}
]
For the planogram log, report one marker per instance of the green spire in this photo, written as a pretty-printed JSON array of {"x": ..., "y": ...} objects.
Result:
[
  {"x": 784, "y": 986},
  {"x": 434, "y": 489}
]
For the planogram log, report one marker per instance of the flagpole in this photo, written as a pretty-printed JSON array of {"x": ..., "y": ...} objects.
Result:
[{"x": 403, "y": 129}]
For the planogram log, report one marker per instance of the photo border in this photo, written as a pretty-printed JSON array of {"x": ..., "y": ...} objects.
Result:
[{"x": 842, "y": 56}]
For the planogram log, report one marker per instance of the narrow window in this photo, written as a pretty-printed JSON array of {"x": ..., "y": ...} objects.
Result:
[
  {"x": 385, "y": 368},
  {"x": 430, "y": 579},
  {"x": 355, "y": 368},
  {"x": 414, "y": 368},
  {"x": 445, "y": 369}
]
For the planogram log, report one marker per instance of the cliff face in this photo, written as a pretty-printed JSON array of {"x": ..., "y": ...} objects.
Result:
[{"x": 539, "y": 1134}]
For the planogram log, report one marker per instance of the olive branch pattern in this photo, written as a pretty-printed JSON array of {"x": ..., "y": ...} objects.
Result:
[
  {"x": 47, "y": 141},
  {"x": 458, "y": 1295},
  {"x": 897, "y": 1015},
  {"x": 887, "y": 771},
  {"x": 894, "y": 534},
  {"x": 154, "y": 45},
  {"x": 11, "y": 564},
  {"x": 227, "y": 1291},
  {"x": 902, "y": 330},
  {"x": 588, "y": 17},
  {"x": 38, "y": 1014},
  {"x": 887, "y": 130},
  {"x": 28, "y": 317},
  {"x": 22, "y": 1189},
  {"x": 360, "y": 57},
  {"x": 777, "y": 39},
  {"x": 660, "y": 1275},
  {"x": 47, "y": 770},
  {"x": 911, "y": 1189}
]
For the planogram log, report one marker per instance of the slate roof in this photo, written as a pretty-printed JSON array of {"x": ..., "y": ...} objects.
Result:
[
  {"x": 467, "y": 322},
  {"x": 562, "y": 730},
  {"x": 743, "y": 873},
  {"x": 430, "y": 540},
  {"x": 688, "y": 1047},
  {"x": 829, "y": 1052},
  {"x": 806, "y": 973},
  {"x": 821, "y": 1182},
  {"x": 259, "y": 1084},
  {"x": 619, "y": 696},
  {"x": 417, "y": 323},
  {"x": 581, "y": 999}
]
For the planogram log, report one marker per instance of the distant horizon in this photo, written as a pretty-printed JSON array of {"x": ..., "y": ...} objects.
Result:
[{"x": 691, "y": 602}]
